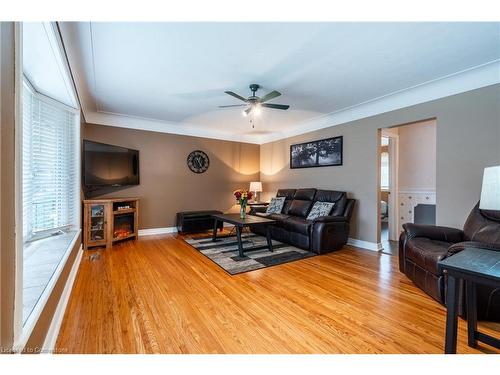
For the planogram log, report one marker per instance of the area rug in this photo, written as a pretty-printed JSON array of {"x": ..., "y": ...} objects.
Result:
[{"x": 224, "y": 252}]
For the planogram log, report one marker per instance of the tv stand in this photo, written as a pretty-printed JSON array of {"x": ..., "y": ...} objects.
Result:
[{"x": 107, "y": 221}]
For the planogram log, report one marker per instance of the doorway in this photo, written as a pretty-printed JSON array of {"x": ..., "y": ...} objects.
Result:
[
  {"x": 407, "y": 179},
  {"x": 388, "y": 190}
]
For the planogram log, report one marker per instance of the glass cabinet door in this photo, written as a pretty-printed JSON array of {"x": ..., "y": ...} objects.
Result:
[{"x": 97, "y": 224}]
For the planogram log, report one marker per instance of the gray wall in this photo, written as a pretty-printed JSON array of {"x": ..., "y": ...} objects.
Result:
[
  {"x": 417, "y": 159},
  {"x": 468, "y": 140}
]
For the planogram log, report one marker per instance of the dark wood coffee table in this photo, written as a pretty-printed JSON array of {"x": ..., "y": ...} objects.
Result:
[
  {"x": 474, "y": 266},
  {"x": 239, "y": 224}
]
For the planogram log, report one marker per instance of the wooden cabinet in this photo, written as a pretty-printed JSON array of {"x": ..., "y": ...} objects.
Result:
[{"x": 109, "y": 220}]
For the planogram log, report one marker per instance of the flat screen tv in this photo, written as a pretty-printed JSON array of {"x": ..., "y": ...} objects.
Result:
[{"x": 107, "y": 165}]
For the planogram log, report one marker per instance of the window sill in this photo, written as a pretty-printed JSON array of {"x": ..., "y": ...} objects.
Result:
[{"x": 34, "y": 253}]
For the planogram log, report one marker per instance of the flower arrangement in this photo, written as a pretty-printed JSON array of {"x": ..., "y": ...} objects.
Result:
[{"x": 242, "y": 197}]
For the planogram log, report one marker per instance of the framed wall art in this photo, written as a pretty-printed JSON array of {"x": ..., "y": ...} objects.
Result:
[{"x": 322, "y": 153}]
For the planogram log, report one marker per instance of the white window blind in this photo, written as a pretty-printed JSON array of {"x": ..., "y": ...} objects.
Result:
[{"x": 50, "y": 180}]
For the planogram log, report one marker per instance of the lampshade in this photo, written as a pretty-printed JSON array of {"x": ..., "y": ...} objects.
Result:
[
  {"x": 256, "y": 186},
  {"x": 490, "y": 192}
]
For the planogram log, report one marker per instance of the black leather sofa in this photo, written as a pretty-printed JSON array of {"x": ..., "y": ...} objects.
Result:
[
  {"x": 421, "y": 247},
  {"x": 322, "y": 235}
]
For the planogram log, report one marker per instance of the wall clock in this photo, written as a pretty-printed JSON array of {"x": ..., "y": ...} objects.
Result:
[{"x": 198, "y": 161}]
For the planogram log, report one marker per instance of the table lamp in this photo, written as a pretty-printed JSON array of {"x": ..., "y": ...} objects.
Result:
[
  {"x": 256, "y": 187},
  {"x": 490, "y": 192}
]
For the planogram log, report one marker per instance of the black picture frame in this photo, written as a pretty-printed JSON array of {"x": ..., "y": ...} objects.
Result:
[{"x": 321, "y": 153}]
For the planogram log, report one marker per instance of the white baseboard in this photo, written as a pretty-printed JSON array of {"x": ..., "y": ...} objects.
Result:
[
  {"x": 154, "y": 231},
  {"x": 55, "y": 325},
  {"x": 165, "y": 230},
  {"x": 417, "y": 191},
  {"x": 373, "y": 246}
]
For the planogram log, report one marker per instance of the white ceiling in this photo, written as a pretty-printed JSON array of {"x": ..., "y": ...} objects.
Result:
[
  {"x": 44, "y": 64},
  {"x": 172, "y": 76}
]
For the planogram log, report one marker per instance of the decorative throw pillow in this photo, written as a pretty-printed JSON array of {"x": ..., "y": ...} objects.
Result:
[
  {"x": 320, "y": 209},
  {"x": 276, "y": 205}
]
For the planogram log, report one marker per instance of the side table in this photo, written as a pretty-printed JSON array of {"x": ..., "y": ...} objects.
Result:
[{"x": 474, "y": 266}]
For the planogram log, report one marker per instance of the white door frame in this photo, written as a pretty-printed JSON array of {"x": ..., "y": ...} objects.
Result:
[{"x": 393, "y": 186}]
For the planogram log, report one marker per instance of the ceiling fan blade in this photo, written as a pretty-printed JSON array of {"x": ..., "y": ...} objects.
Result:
[
  {"x": 235, "y": 95},
  {"x": 233, "y": 105},
  {"x": 269, "y": 96},
  {"x": 276, "y": 106}
]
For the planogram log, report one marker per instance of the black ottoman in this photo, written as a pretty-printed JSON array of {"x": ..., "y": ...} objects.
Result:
[{"x": 197, "y": 221}]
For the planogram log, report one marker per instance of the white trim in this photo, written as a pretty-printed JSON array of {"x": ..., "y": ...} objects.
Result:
[
  {"x": 417, "y": 191},
  {"x": 164, "y": 230},
  {"x": 62, "y": 65},
  {"x": 351, "y": 241},
  {"x": 55, "y": 325},
  {"x": 155, "y": 231},
  {"x": 47, "y": 99},
  {"x": 30, "y": 323},
  {"x": 393, "y": 212},
  {"x": 469, "y": 79},
  {"x": 373, "y": 246},
  {"x": 19, "y": 243},
  {"x": 140, "y": 123}
]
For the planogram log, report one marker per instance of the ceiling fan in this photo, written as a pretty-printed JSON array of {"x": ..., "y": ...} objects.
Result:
[{"x": 254, "y": 103}]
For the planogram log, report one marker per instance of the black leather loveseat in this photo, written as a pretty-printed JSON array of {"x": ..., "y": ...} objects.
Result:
[{"x": 321, "y": 235}]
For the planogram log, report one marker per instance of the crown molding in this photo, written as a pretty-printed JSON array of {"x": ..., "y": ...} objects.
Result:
[
  {"x": 470, "y": 79},
  {"x": 139, "y": 123}
]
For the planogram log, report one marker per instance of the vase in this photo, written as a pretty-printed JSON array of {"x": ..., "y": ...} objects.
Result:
[{"x": 243, "y": 211}]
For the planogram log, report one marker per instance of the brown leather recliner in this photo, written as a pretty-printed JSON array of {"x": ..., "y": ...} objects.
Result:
[{"x": 421, "y": 247}]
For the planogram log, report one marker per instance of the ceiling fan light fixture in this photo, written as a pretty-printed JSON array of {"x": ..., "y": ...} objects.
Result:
[
  {"x": 257, "y": 109},
  {"x": 254, "y": 104}
]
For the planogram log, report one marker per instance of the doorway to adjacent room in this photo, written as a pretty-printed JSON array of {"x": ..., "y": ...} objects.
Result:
[{"x": 407, "y": 179}]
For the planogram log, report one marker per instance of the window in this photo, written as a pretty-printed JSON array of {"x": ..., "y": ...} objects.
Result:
[
  {"x": 49, "y": 166},
  {"x": 50, "y": 192},
  {"x": 47, "y": 176}
]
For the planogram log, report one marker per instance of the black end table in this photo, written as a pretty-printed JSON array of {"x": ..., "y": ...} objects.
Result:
[
  {"x": 474, "y": 266},
  {"x": 239, "y": 224}
]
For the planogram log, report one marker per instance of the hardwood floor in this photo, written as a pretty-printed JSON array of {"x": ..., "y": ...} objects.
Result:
[{"x": 159, "y": 295}]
